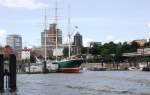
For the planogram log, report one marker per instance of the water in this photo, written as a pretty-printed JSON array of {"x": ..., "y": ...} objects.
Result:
[{"x": 86, "y": 83}]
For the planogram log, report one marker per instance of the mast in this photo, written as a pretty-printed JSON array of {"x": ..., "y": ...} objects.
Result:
[
  {"x": 56, "y": 9},
  {"x": 45, "y": 30},
  {"x": 69, "y": 29}
]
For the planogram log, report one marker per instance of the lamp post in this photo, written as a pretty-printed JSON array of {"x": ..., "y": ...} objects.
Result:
[
  {"x": 102, "y": 62},
  {"x": 113, "y": 55},
  {"x": 99, "y": 58}
]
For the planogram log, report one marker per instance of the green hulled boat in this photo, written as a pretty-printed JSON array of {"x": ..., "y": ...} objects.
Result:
[{"x": 69, "y": 66}]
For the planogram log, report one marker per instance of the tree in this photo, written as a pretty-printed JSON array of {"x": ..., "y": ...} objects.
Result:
[
  {"x": 134, "y": 46},
  {"x": 65, "y": 52},
  {"x": 84, "y": 50},
  {"x": 125, "y": 47},
  {"x": 95, "y": 50}
]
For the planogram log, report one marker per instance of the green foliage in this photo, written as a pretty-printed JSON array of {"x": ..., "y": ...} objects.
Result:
[
  {"x": 106, "y": 50},
  {"x": 109, "y": 52},
  {"x": 134, "y": 46},
  {"x": 84, "y": 50},
  {"x": 95, "y": 50}
]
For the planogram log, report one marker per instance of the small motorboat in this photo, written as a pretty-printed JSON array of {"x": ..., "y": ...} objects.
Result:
[{"x": 132, "y": 69}]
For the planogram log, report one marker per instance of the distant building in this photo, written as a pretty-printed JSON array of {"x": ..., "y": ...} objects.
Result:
[
  {"x": 37, "y": 51},
  {"x": 14, "y": 41},
  {"x": 78, "y": 40},
  {"x": 141, "y": 42},
  {"x": 77, "y": 44},
  {"x": 51, "y": 39},
  {"x": 25, "y": 54},
  {"x": 140, "y": 52},
  {"x": 95, "y": 43}
]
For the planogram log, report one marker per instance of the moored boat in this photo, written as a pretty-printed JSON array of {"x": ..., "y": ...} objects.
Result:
[
  {"x": 69, "y": 66},
  {"x": 133, "y": 69},
  {"x": 146, "y": 69}
]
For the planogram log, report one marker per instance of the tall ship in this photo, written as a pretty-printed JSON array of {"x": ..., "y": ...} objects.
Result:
[{"x": 71, "y": 65}]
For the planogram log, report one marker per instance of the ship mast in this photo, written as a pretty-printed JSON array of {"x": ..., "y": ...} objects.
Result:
[
  {"x": 56, "y": 9},
  {"x": 69, "y": 33},
  {"x": 45, "y": 30}
]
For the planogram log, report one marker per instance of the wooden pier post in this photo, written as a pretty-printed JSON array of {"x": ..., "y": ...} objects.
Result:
[
  {"x": 1, "y": 73},
  {"x": 12, "y": 72},
  {"x": 44, "y": 67}
]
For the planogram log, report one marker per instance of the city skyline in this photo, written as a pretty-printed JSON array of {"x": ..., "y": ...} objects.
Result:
[{"x": 97, "y": 20}]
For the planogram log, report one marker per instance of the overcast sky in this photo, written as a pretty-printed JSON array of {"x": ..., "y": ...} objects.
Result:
[{"x": 97, "y": 20}]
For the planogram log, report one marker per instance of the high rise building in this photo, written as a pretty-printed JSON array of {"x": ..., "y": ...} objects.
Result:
[
  {"x": 78, "y": 40},
  {"x": 14, "y": 41},
  {"x": 77, "y": 44},
  {"x": 51, "y": 38}
]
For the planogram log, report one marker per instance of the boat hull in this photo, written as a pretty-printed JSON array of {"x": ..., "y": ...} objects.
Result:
[
  {"x": 69, "y": 70},
  {"x": 69, "y": 66},
  {"x": 146, "y": 69}
]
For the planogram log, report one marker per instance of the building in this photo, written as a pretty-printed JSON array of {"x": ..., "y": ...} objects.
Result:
[
  {"x": 95, "y": 43},
  {"x": 77, "y": 44},
  {"x": 51, "y": 39},
  {"x": 141, "y": 42},
  {"x": 78, "y": 40},
  {"x": 14, "y": 41}
]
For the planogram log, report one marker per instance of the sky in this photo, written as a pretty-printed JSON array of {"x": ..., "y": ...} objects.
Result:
[{"x": 97, "y": 20}]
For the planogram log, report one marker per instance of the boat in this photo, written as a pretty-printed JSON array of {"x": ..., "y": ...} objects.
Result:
[
  {"x": 51, "y": 67},
  {"x": 34, "y": 68},
  {"x": 69, "y": 66},
  {"x": 146, "y": 69},
  {"x": 132, "y": 69},
  {"x": 72, "y": 64}
]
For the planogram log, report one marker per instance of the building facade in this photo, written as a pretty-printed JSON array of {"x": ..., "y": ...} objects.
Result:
[
  {"x": 50, "y": 36},
  {"x": 141, "y": 42},
  {"x": 77, "y": 44},
  {"x": 14, "y": 41},
  {"x": 78, "y": 40},
  {"x": 95, "y": 43}
]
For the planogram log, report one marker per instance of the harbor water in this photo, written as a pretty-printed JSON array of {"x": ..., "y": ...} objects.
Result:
[{"x": 85, "y": 83}]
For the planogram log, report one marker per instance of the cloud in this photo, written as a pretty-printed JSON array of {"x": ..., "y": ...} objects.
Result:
[
  {"x": 2, "y": 36},
  {"x": 148, "y": 25},
  {"x": 2, "y": 32},
  {"x": 117, "y": 41},
  {"x": 113, "y": 38},
  {"x": 86, "y": 41},
  {"x": 109, "y": 37},
  {"x": 29, "y": 4}
]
